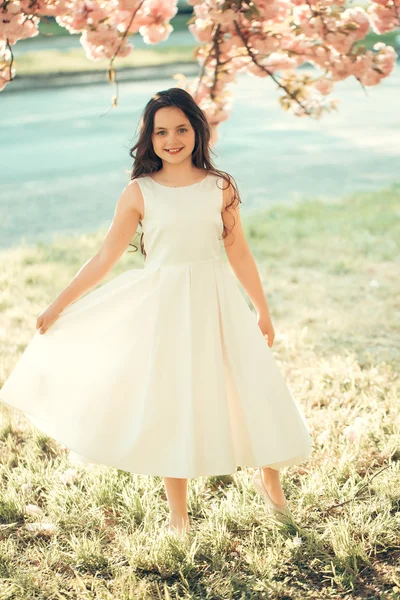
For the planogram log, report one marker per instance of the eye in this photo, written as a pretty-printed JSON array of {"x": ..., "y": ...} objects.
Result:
[{"x": 181, "y": 129}]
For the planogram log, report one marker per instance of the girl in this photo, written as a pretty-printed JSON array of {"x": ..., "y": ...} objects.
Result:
[{"x": 165, "y": 370}]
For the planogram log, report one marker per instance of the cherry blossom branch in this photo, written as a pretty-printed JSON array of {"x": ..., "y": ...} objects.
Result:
[
  {"x": 265, "y": 69},
  {"x": 126, "y": 31},
  {"x": 111, "y": 74},
  {"x": 320, "y": 14},
  {"x": 216, "y": 55},
  {"x": 259, "y": 38},
  {"x": 8, "y": 47}
]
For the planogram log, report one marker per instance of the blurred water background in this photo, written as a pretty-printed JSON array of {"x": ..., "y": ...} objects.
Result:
[{"x": 65, "y": 156}]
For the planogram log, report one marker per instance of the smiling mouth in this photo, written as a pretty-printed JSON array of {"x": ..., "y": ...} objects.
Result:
[{"x": 174, "y": 151}]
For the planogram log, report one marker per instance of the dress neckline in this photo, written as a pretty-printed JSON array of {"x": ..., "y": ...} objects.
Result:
[{"x": 174, "y": 187}]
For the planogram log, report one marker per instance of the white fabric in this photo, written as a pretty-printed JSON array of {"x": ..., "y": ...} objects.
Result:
[{"x": 164, "y": 370}]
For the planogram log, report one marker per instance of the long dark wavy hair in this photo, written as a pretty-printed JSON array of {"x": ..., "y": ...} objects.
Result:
[{"x": 146, "y": 160}]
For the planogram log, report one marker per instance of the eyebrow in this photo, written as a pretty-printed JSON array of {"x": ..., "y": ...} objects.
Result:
[{"x": 182, "y": 125}]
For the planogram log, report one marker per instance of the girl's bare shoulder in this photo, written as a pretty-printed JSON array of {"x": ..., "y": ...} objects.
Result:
[{"x": 135, "y": 196}]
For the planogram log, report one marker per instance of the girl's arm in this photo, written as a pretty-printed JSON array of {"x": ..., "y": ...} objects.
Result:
[
  {"x": 128, "y": 211},
  {"x": 243, "y": 263}
]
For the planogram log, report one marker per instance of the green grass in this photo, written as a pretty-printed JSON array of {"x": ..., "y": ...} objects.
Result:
[
  {"x": 330, "y": 274},
  {"x": 43, "y": 62}
]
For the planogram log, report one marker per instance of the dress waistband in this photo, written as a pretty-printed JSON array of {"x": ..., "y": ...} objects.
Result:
[{"x": 149, "y": 264}]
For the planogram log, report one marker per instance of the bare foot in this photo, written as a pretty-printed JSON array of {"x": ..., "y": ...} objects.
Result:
[
  {"x": 272, "y": 483},
  {"x": 179, "y": 523}
]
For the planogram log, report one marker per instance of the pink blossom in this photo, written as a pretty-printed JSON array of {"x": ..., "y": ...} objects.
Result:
[
  {"x": 153, "y": 34},
  {"x": 341, "y": 42},
  {"x": 276, "y": 11},
  {"x": 223, "y": 17},
  {"x": 103, "y": 42},
  {"x": 202, "y": 10},
  {"x": 280, "y": 60},
  {"x": 282, "y": 36},
  {"x": 15, "y": 25},
  {"x": 123, "y": 22},
  {"x": 302, "y": 14},
  {"x": 88, "y": 13},
  {"x": 265, "y": 45},
  {"x": 324, "y": 86},
  {"x": 341, "y": 67},
  {"x": 202, "y": 30},
  {"x": 52, "y": 8},
  {"x": 163, "y": 10},
  {"x": 74, "y": 22},
  {"x": 383, "y": 18},
  {"x": 386, "y": 58},
  {"x": 358, "y": 16},
  {"x": 128, "y": 5}
]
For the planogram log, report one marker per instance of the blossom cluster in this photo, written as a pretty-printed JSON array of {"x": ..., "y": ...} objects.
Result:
[
  {"x": 104, "y": 25},
  {"x": 264, "y": 38}
]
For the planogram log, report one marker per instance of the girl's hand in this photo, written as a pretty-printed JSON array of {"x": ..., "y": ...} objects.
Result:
[
  {"x": 47, "y": 318},
  {"x": 265, "y": 324}
]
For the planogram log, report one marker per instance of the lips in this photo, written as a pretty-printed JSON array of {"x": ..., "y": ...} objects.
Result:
[{"x": 173, "y": 152}]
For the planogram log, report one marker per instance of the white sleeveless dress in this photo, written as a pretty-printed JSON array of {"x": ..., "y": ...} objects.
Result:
[{"x": 163, "y": 370}]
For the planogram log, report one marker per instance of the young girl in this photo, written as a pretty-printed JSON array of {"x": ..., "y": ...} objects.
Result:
[{"x": 165, "y": 370}]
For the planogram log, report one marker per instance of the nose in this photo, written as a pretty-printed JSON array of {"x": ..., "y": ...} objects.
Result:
[{"x": 172, "y": 142}]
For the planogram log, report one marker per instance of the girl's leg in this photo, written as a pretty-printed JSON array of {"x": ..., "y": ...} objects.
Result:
[
  {"x": 176, "y": 489},
  {"x": 272, "y": 482}
]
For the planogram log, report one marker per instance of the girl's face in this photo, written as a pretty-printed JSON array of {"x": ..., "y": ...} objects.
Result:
[{"x": 172, "y": 131}]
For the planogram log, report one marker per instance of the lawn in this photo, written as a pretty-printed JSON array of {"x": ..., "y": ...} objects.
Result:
[
  {"x": 74, "y": 60},
  {"x": 330, "y": 275}
]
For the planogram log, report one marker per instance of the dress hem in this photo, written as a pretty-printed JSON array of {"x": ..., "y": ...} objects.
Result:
[{"x": 85, "y": 460}]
